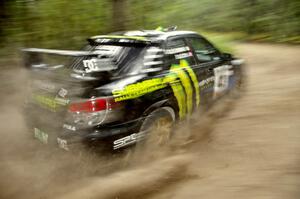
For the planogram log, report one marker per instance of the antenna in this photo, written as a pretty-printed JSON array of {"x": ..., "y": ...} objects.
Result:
[{"x": 171, "y": 28}]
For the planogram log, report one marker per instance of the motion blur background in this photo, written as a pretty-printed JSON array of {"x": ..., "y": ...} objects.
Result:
[
  {"x": 249, "y": 150},
  {"x": 67, "y": 23}
]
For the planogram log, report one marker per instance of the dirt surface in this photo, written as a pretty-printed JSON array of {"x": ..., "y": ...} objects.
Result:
[{"x": 245, "y": 148}]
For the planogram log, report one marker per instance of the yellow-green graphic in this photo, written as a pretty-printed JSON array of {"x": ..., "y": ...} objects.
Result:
[
  {"x": 178, "y": 91},
  {"x": 184, "y": 64},
  {"x": 51, "y": 103},
  {"x": 180, "y": 78},
  {"x": 185, "y": 80},
  {"x": 136, "y": 90}
]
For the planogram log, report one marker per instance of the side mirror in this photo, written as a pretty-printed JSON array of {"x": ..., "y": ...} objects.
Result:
[{"x": 227, "y": 56}]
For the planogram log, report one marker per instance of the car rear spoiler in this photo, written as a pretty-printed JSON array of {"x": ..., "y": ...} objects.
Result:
[
  {"x": 121, "y": 40},
  {"x": 33, "y": 56},
  {"x": 72, "y": 53}
]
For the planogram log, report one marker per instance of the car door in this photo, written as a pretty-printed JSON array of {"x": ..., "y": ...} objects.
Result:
[
  {"x": 179, "y": 59},
  {"x": 214, "y": 81}
]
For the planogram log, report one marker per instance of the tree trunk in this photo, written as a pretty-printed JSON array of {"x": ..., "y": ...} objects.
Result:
[
  {"x": 3, "y": 18},
  {"x": 119, "y": 15}
]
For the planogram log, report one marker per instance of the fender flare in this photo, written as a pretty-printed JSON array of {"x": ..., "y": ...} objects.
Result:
[{"x": 161, "y": 103}]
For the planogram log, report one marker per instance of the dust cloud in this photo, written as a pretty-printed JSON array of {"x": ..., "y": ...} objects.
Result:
[{"x": 242, "y": 148}]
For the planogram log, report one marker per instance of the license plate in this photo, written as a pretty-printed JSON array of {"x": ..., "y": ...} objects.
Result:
[{"x": 41, "y": 136}]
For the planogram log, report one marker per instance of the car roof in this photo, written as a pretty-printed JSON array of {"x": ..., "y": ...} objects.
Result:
[{"x": 146, "y": 35}]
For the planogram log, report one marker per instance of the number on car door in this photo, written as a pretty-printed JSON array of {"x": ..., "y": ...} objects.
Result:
[{"x": 215, "y": 81}]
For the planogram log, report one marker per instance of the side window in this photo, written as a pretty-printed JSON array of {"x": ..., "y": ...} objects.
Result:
[
  {"x": 204, "y": 51},
  {"x": 176, "y": 49},
  {"x": 174, "y": 43}
]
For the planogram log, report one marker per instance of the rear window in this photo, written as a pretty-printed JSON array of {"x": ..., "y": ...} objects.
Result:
[{"x": 115, "y": 58}]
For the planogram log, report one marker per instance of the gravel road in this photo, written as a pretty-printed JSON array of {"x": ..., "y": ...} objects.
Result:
[{"x": 246, "y": 148}]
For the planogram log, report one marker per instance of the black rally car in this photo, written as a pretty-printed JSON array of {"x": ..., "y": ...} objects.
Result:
[{"x": 120, "y": 88}]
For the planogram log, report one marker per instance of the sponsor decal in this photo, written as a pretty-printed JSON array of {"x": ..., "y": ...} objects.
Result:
[
  {"x": 222, "y": 75},
  {"x": 186, "y": 83},
  {"x": 183, "y": 55},
  {"x": 62, "y": 101},
  {"x": 46, "y": 102},
  {"x": 182, "y": 80},
  {"x": 69, "y": 127},
  {"x": 62, "y": 144},
  {"x": 179, "y": 94},
  {"x": 90, "y": 65},
  {"x": 136, "y": 90},
  {"x": 177, "y": 50},
  {"x": 50, "y": 103},
  {"x": 187, "y": 77},
  {"x": 184, "y": 65},
  {"x": 62, "y": 93},
  {"x": 128, "y": 140},
  {"x": 41, "y": 136},
  {"x": 206, "y": 82}
]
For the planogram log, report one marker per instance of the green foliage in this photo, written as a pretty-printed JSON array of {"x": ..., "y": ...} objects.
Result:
[
  {"x": 67, "y": 23},
  {"x": 43, "y": 23},
  {"x": 263, "y": 20}
]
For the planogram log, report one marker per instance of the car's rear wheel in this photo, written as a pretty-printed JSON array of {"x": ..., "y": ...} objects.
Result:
[{"x": 158, "y": 126}]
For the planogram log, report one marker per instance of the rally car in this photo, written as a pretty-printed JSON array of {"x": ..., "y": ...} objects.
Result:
[{"x": 122, "y": 87}]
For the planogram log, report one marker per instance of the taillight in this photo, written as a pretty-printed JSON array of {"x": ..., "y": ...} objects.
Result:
[
  {"x": 94, "y": 111},
  {"x": 89, "y": 106},
  {"x": 93, "y": 105}
]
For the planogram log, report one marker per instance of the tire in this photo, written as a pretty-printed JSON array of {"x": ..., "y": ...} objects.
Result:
[
  {"x": 147, "y": 149},
  {"x": 158, "y": 126}
]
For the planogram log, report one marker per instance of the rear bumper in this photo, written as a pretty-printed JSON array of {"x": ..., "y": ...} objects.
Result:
[
  {"x": 97, "y": 137},
  {"x": 100, "y": 138},
  {"x": 50, "y": 129}
]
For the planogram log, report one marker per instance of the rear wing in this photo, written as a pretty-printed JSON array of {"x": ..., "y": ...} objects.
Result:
[
  {"x": 121, "y": 40},
  {"x": 72, "y": 53},
  {"x": 33, "y": 57}
]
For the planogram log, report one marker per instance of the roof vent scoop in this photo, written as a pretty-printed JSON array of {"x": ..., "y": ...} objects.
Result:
[{"x": 168, "y": 29}]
